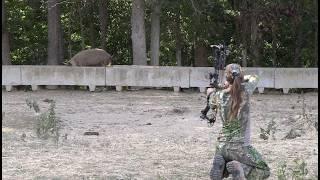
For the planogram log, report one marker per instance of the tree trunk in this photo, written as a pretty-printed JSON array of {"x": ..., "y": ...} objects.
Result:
[
  {"x": 138, "y": 33},
  {"x": 178, "y": 38},
  {"x": 5, "y": 39},
  {"x": 274, "y": 44},
  {"x": 155, "y": 32},
  {"x": 69, "y": 37},
  {"x": 299, "y": 37},
  {"x": 81, "y": 25},
  {"x": 61, "y": 43},
  {"x": 243, "y": 29},
  {"x": 244, "y": 57},
  {"x": 298, "y": 47},
  {"x": 200, "y": 55},
  {"x": 316, "y": 34},
  {"x": 92, "y": 33},
  {"x": 54, "y": 33},
  {"x": 254, "y": 41},
  {"x": 192, "y": 58},
  {"x": 103, "y": 18},
  {"x": 178, "y": 55},
  {"x": 184, "y": 56}
]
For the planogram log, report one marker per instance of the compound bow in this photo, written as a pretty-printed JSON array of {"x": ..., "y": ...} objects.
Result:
[{"x": 216, "y": 78}]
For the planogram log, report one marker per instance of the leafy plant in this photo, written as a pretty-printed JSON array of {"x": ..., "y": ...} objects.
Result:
[
  {"x": 281, "y": 171},
  {"x": 47, "y": 123},
  {"x": 271, "y": 128},
  {"x": 299, "y": 171}
]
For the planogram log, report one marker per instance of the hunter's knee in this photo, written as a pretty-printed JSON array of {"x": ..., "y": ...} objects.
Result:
[
  {"x": 218, "y": 162},
  {"x": 235, "y": 168}
]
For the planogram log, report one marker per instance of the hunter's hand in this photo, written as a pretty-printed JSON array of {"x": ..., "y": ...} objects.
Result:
[{"x": 226, "y": 84}]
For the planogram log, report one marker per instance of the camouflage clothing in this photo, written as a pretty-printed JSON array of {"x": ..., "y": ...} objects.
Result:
[
  {"x": 252, "y": 162},
  {"x": 234, "y": 139}
]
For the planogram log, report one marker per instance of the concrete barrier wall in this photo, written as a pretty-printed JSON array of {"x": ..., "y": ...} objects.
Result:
[
  {"x": 62, "y": 75},
  {"x": 199, "y": 76},
  {"x": 150, "y": 76},
  {"x": 11, "y": 75},
  {"x": 296, "y": 78}
]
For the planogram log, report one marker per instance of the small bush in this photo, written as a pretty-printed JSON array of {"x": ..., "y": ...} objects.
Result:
[
  {"x": 271, "y": 129},
  {"x": 299, "y": 171},
  {"x": 47, "y": 123},
  {"x": 281, "y": 171}
]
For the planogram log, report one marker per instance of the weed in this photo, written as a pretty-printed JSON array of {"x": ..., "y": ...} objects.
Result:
[
  {"x": 271, "y": 129},
  {"x": 31, "y": 103},
  {"x": 308, "y": 116},
  {"x": 299, "y": 171},
  {"x": 281, "y": 171},
  {"x": 47, "y": 122}
]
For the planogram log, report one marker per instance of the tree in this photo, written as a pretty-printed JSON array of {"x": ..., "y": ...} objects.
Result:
[
  {"x": 5, "y": 39},
  {"x": 81, "y": 23},
  {"x": 260, "y": 33},
  {"x": 138, "y": 33},
  {"x": 178, "y": 38},
  {"x": 299, "y": 34},
  {"x": 155, "y": 32},
  {"x": 255, "y": 44},
  {"x": 91, "y": 16},
  {"x": 316, "y": 33},
  {"x": 103, "y": 18},
  {"x": 54, "y": 33},
  {"x": 199, "y": 43}
]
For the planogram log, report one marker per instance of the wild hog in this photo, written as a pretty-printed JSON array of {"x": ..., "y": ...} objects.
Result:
[{"x": 91, "y": 57}]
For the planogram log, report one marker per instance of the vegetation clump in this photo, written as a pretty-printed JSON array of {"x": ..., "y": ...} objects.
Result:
[
  {"x": 46, "y": 122},
  {"x": 299, "y": 171}
]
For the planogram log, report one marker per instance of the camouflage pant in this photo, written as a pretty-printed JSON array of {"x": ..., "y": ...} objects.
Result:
[{"x": 254, "y": 166}]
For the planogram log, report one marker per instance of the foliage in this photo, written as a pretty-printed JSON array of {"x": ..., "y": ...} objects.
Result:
[
  {"x": 28, "y": 32},
  {"x": 298, "y": 171},
  {"x": 270, "y": 130},
  {"x": 281, "y": 171},
  {"x": 46, "y": 122},
  {"x": 286, "y": 30}
]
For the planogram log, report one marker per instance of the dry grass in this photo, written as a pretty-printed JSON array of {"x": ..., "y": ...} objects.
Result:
[{"x": 145, "y": 134}]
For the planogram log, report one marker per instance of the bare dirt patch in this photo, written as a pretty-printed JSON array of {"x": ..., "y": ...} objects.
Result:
[{"x": 145, "y": 134}]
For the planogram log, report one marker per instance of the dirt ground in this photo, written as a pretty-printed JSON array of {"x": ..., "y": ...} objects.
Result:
[{"x": 145, "y": 134}]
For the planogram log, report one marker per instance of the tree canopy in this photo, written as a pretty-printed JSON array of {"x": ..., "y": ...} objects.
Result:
[{"x": 264, "y": 33}]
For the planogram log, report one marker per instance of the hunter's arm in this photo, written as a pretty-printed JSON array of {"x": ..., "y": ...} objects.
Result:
[{"x": 213, "y": 100}]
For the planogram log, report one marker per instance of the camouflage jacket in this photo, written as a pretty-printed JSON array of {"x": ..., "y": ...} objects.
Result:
[{"x": 238, "y": 129}]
